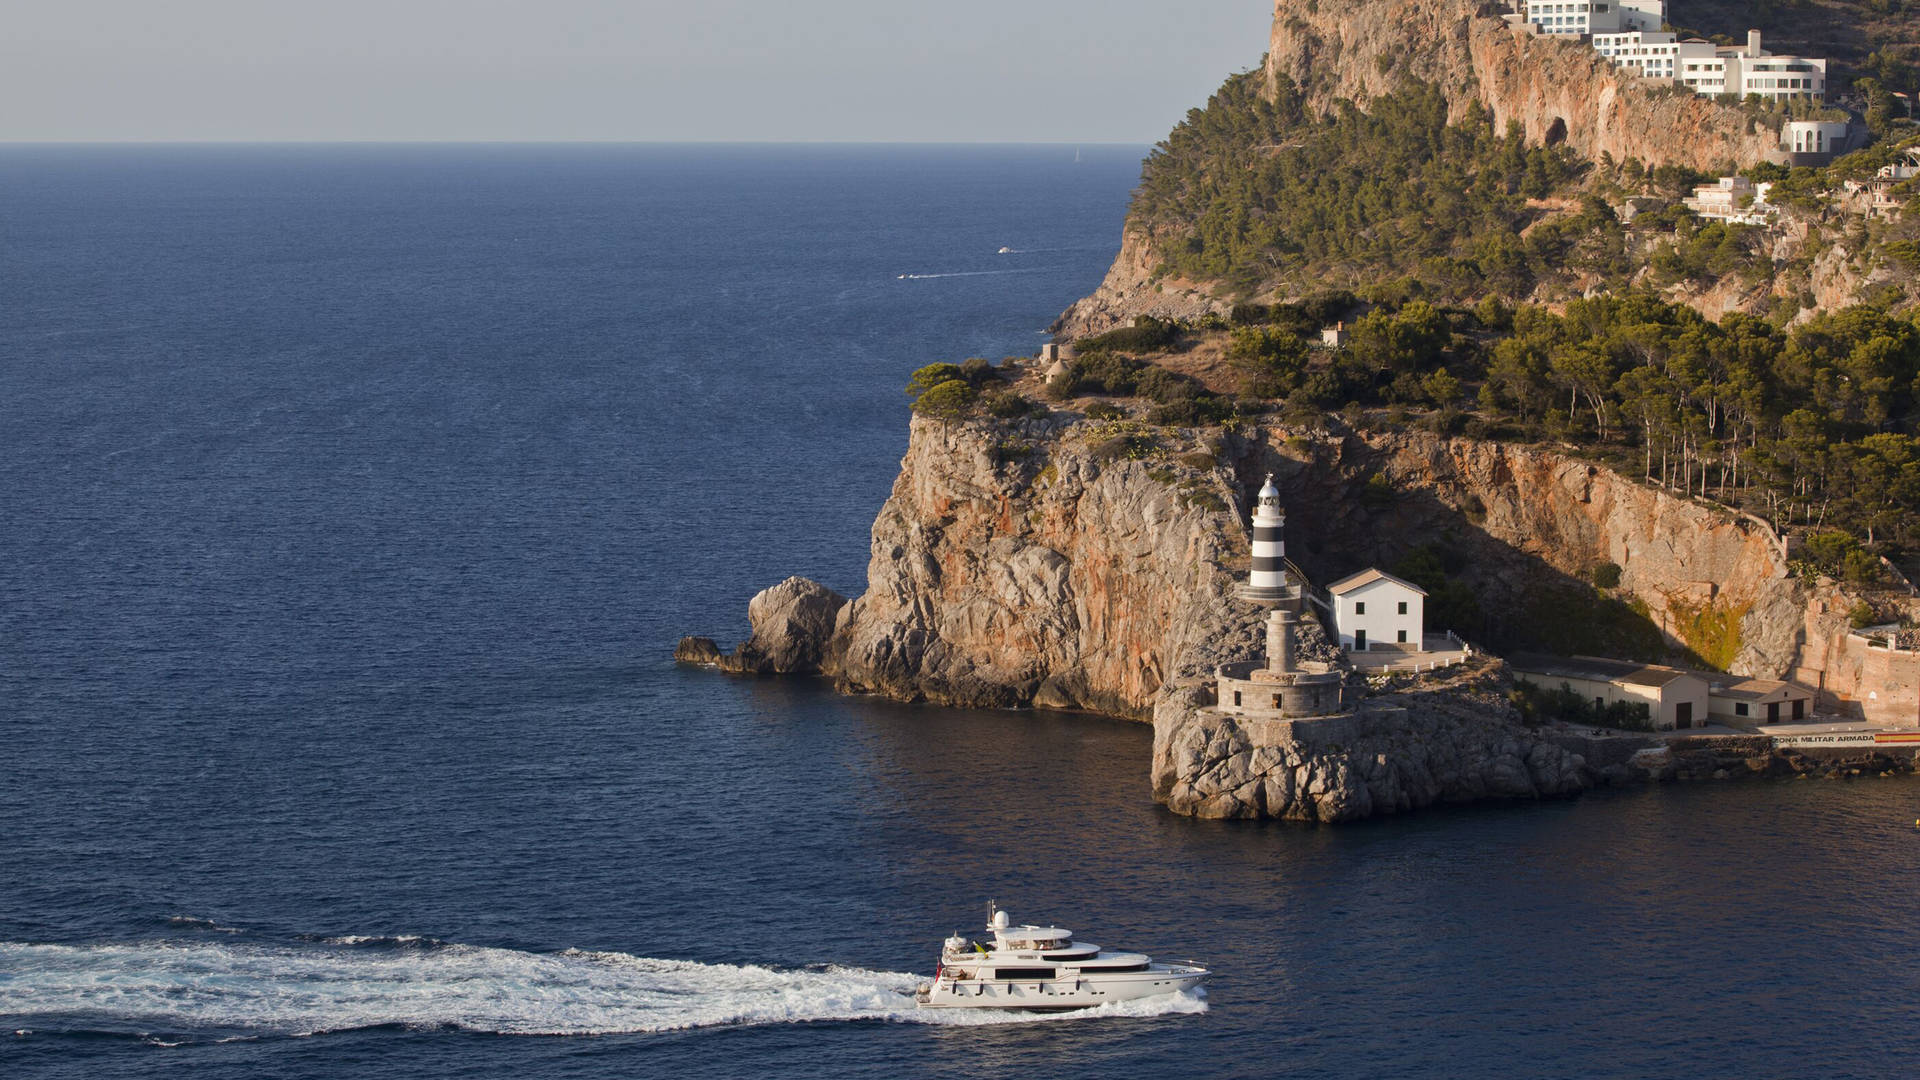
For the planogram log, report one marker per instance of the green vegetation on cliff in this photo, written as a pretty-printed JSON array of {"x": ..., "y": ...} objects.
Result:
[{"x": 1260, "y": 189}]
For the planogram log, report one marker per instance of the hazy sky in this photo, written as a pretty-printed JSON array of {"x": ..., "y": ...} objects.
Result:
[{"x": 883, "y": 70}]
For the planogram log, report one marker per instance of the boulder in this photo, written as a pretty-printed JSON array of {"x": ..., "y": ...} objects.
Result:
[
  {"x": 697, "y": 650},
  {"x": 792, "y": 624}
]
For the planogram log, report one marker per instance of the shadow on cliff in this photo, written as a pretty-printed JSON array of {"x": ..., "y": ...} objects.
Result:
[{"x": 1342, "y": 519}]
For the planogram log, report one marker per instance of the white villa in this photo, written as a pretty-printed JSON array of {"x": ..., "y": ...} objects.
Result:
[
  {"x": 1373, "y": 610},
  {"x": 1629, "y": 33},
  {"x": 1595, "y": 16},
  {"x": 1706, "y": 68},
  {"x": 1732, "y": 198}
]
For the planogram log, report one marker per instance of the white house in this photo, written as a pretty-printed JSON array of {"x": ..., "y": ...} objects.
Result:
[
  {"x": 1732, "y": 198},
  {"x": 1813, "y": 136},
  {"x": 1595, "y": 16},
  {"x": 1375, "y": 610}
]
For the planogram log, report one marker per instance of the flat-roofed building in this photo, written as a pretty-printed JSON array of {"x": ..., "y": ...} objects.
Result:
[
  {"x": 1741, "y": 702},
  {"x": 1674, "y": 698}
]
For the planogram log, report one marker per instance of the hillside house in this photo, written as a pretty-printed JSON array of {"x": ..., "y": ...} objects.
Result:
[
  {"x": 1732, "y": 198},
  {"x": 1374, "y": 610},
  {"x": 1594, "y": 16}
]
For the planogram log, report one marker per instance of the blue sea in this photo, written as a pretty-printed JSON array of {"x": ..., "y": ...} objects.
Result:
[{"x": 352, "y": 500}]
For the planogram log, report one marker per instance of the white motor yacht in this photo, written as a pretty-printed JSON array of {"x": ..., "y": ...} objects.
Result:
[{"x": 1042, "y": 967}]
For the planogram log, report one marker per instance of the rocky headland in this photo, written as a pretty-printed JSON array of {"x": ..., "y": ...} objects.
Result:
[{"x": 1085, "y": 564}]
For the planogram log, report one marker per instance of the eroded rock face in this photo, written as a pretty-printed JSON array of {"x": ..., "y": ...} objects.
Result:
[
  {"x": 1555, "y": 89},
  {"x": 1015, "y": 566}
]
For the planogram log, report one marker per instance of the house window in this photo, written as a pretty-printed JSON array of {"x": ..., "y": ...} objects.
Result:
[
  {"x": 1599, "y": 702},
  {"x": 1403, "y": 636},
  {"x": 1403, "y": 607},
  {"x": 1359, "y": 607},
  {"x": 1739, "y": 708},
  {"x": 1236, "y": 697}
]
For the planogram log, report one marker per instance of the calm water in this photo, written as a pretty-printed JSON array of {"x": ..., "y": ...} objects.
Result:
[{"x": 353, "y": 499}]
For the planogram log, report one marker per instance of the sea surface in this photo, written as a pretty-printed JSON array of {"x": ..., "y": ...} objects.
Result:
[{"x": 352, "y": 500}]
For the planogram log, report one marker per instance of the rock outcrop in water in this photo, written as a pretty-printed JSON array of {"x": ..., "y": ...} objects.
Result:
[{"x": 792, "y": 626}]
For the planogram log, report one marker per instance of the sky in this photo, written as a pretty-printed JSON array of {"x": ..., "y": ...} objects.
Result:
[{"x": 624, "y": 70}]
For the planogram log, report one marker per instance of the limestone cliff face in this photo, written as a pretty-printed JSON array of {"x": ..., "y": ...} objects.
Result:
[
  {"x": 1556, "y": 89},
  {"x": 1526, "y": 518},
  {"x": 1530, "y": 523},
  {"x": 1030, "y": 564},
  {"x": 1017, "y": 566},
  {"x": 1131, "y": 288}
]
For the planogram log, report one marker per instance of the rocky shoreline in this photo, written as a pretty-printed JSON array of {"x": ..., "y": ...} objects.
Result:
[{"x": 1028, "y": 565}]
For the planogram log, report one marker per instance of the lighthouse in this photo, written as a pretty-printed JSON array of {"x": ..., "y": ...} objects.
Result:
[
  {"x": 1268, "y": 583},
  {"x": 1285, "y": 686}
]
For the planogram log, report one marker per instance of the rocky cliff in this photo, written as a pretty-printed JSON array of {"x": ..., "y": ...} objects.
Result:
[
  {"x": 1557, "y": 90},
  {"x": 1049, "y": 563},
  {"x": 1080, "y": 564}
]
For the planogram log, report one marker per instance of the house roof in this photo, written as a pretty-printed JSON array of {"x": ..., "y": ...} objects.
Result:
[
  {"x": 1367, "y": 577},
  {"x": 1597, "y": 668},
  {"x": 1738, "y": 689}
]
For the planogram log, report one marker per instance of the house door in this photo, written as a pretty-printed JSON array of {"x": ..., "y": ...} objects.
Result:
[
  {"x": 1359, "y": 641},
  {"x": 1799, "y": 709},
  {"x": 1683, "y": 714},
  {"x": 1773, "y": 712}
]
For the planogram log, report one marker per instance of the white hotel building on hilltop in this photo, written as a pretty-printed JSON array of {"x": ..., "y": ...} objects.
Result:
[
  {"x": 1628, "y": 32},
  {"x": 1706, "y": 68},
  {"x": 1595, "y": 16}
]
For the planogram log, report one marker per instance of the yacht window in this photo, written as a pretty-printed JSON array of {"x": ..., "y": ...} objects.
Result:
[{"x": 1025, "y": 973}]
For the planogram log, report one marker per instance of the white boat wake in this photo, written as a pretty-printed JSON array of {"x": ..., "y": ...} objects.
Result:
[
  {"x": 195, "y": 990},
  {"x": 975, "y": 273}
]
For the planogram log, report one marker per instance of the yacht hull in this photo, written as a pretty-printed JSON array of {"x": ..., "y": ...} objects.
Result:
[{"x": 1060, "y": 994}]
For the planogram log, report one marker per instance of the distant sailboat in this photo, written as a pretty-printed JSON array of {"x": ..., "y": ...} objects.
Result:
[{"x": 1076, "y": 155}]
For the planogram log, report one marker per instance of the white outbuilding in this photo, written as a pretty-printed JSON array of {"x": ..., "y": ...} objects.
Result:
[{"x": 1373, "y": 610}]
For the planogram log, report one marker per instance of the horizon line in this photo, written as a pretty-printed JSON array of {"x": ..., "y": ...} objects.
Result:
[{"x": 433, "y": 141}]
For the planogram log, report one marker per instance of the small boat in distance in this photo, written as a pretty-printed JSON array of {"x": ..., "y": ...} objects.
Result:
[
  {"x": 1042, "y": 968},
  {"x": 1005, "y": 251}
]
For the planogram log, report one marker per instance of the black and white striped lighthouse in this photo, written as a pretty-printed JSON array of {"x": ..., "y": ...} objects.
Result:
[{"x": 1269, "y": 583}]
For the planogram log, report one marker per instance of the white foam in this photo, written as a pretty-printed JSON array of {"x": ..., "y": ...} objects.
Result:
[
  {"x": 218, "y": 989},
  {"x": 974, "y": 273}
]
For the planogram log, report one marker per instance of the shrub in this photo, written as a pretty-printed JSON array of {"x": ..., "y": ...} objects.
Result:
[
  {"x": 1199, "y": 460},
  {"x": 1147, "y": 334},
  {"x": 1008, "y": 405},
  {"x": 1007, "y": 450},
  {"x": 1101, "y": 410},
  {"x": 931, "y": 376},
  {"x": 949, "y": 400},
  {"x": 1861, "y": 616},
  {"x": 1130, "y": 446},
  {"x": 1607, "y": 575}
]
